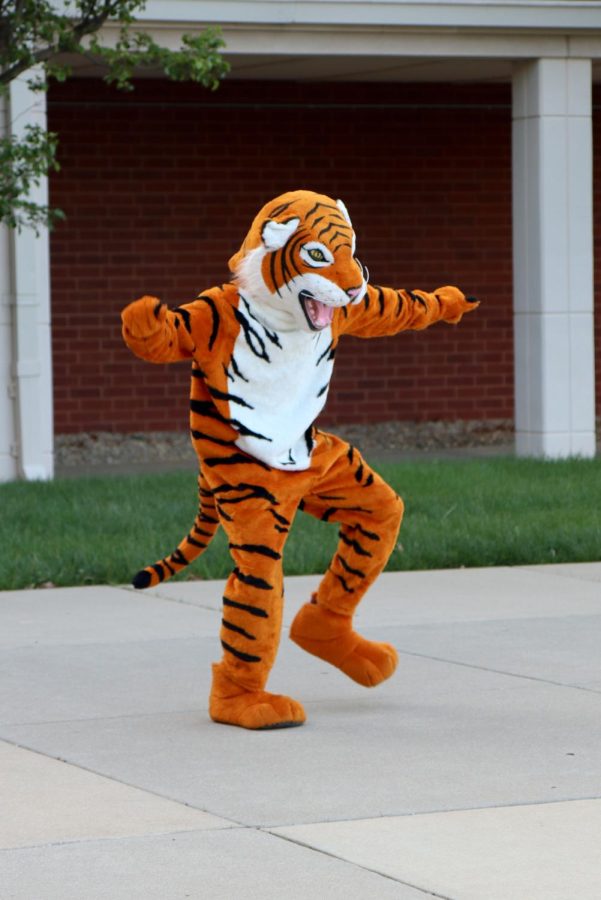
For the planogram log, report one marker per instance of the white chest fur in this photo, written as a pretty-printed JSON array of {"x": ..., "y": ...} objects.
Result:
[{"x": 283, "y": 377}]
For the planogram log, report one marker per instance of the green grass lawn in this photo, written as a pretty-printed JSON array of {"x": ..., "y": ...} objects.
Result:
[{"x": 459, "y": 513}]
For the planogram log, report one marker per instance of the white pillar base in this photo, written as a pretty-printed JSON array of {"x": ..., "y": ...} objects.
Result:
[{"x": 553, "y": 259}]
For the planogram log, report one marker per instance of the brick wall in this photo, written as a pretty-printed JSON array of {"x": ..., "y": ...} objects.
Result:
[{"x": 159, "y": 187}]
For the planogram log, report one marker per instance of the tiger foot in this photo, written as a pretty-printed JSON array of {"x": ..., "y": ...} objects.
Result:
[
  {"x": 330, "y": 636},
  {"x": 231, "y": 704}
]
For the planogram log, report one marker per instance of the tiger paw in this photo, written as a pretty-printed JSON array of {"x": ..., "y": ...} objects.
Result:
[
  {"x": 231, "y": 704},
  {"x": 143, "y": 318},
  {"x": 330, "y": 637}
]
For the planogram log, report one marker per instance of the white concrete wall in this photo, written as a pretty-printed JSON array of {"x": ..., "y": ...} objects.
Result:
[{"x": 553, "y": 258}]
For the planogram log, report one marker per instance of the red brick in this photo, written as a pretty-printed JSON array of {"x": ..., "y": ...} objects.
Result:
[{"x": 159, "y": 194}]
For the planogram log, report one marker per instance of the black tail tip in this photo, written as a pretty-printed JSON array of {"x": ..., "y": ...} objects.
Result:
[{"x": 141, "y": 579}]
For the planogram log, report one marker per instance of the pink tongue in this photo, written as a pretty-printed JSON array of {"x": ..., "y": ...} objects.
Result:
[{"x": 321, "y": 315}]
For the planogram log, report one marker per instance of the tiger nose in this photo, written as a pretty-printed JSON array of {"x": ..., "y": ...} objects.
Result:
[{"x": 354, "y": 292}]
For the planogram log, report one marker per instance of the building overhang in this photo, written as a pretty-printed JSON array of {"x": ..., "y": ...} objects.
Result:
[{"x": 379, "y": 40}]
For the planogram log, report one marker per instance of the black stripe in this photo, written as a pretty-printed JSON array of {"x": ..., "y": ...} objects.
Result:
[
  {"x": 334, "y": 509},
  {"x": 359, "y": 472},
  {"x": 237, "y": 371},
  {"x": 178, "y": 558},
  {"x": 198, "y": 530},
  {"x": 245, "y": 657},
  {"x": 348, "y": 589},
  {"x": 281, "y": 530},
  {"x": 272, "y": 335},
  {"x": 278, "y": 210},
  {"x": 233, "y": 460},
  {"x": 325, "y": 206},
  {"x": 257, "y": 490},
  {"x": 338, "y": 233},
  {"x": 332, "y": 225},
  {"x": 208, "y": 409},
  {"x": 251, "y": 336},
  {"x": 417, "y": 299},
  {"x": 348, "y": 568},
  {"x": 224, "y": 395},
  {"x": 309, "y": 439},
  {"x": 380, "y": 299},
  {"x": 369, "y": 480},
  {"x": 325, "y": 352},
  {"x": 201, "y": 436},
  {"x": 171, "y": 569},
  {"x": 223, "y": 514},
  {"x": 272, "y": 269},
  {"x": 196, "y": 543},
  {"x": 238, "y": 630},
  {"x": 253, "y": 610},
  {"x": 368, "y": 534},
  {"x": 159, "y": 571},
  {"x": 355, "y": 545},
  {"x": 185, "y": 318},
  {"x": 279, "y": 517},
  {"x": 252, "y": 580},
  {"x": 205, "y": 517},
  {"x": 324, "y": 389},
  {"x": 399, "y": 304},
  {"x": 291, "y": 247},
  {"x": 261, "y": 549},
  {"x": 215, "y": 315}
]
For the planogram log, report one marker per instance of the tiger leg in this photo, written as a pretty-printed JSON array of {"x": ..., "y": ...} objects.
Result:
[
  {"x": 257, "y": 527},
  {"x": 370, "y": 514}
]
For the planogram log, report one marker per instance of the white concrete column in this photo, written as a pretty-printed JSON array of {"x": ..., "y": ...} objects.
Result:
[
  {"x": 553, "y": 258},
  {"x": 8, "y": 438},
  {"x": 26, "y": 278}
]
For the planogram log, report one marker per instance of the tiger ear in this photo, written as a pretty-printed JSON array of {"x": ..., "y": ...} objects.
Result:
[{"x": 275, "y": 234}]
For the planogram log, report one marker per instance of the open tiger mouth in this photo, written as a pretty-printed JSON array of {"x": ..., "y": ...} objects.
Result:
[{"x": 319, "y": 315}]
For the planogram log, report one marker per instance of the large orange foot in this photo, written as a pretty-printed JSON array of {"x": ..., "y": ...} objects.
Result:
[
  {"x": 330, "y": 636},
  {"x": 231, "y": 704}
]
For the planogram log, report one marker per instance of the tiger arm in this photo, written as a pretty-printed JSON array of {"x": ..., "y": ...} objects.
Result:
[
  {"x": 155, "y": 333},
  {"x": 383, "y": 310}
]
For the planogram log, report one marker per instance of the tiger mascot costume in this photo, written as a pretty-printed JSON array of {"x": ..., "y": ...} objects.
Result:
[{"x": 262, "y": 351}]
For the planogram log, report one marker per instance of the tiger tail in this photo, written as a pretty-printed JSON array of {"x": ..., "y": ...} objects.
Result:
[{"x": 196, "y": 542}]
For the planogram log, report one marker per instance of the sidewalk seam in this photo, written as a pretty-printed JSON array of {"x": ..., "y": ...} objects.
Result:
[
  {"x": 350, "y": 862},
  {"x": 135, "y": 787},
  {"x": 455, "y": 662}
]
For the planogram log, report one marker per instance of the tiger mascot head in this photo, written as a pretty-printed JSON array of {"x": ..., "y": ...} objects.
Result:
[{"x": 297, "y": 262}]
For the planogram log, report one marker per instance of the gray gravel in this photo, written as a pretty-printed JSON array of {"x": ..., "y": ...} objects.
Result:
[{"x": 384, "y": 440}]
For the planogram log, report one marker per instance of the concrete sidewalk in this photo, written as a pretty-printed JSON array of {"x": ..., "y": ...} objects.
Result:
[{"x": 474, "y": 774}]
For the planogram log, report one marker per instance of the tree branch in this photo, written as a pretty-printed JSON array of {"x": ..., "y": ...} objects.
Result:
[{"x": 89, "y": 23}]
